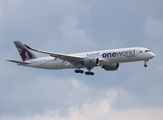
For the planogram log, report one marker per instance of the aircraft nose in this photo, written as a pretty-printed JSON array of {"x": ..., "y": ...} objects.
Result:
[{"x": 152, "y": 55}]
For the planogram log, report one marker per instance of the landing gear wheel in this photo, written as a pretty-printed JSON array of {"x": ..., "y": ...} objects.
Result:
[
  {"x": 145, "y": 65},
  {"x": 79, "y": 71},
  {"x": 89, "y": 73},
  {"x": 76, "y": 71}
]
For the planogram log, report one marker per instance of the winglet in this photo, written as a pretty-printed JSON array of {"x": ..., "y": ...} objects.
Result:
[
  {"x": 27, "y": 46},
  {"x": 30, "y": 48}
]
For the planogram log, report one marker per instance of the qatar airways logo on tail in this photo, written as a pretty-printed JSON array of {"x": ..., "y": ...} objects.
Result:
[{"x": 128, "y": 53}]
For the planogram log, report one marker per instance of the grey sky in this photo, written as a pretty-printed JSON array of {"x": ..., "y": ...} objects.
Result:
[{"x": 67, "y": 26}]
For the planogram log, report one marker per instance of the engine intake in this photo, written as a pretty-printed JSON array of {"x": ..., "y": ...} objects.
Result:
[
  {"x": 90, "y": 62},
  {"x": 111, "y": 67}
]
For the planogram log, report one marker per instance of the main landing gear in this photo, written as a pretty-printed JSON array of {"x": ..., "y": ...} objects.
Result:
[
  {"x": 89, "y": 72},
  {"x": 79, "y": 71},
  {"x": 145, "y": 63},
  {"x": 86, "y": 73}
]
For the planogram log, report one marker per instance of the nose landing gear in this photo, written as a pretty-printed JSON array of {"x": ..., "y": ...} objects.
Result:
[{"x": 145, "y": 63}]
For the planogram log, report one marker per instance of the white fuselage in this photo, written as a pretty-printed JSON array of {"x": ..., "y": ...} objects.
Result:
[{"x": 106, "y": 57}]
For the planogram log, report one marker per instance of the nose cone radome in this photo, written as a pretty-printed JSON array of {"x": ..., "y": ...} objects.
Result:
[{"x": 152, "y": 55}]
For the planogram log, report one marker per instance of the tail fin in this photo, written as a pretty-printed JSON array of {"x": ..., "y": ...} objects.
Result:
[{"x": 23, "y": 51}]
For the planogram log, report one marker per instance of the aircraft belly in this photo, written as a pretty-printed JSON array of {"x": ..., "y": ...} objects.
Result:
[{"x": 57, "y": 65}]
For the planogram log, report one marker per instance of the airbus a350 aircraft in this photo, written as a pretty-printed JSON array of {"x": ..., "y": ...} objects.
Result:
[{"x": 106, "y": 59}]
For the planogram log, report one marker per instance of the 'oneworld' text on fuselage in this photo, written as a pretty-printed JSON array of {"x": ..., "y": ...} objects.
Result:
[{"x": 128, "y": 53}]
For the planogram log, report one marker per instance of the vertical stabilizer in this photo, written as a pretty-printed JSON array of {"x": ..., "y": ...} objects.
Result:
[{"x": 23, "y": 51}]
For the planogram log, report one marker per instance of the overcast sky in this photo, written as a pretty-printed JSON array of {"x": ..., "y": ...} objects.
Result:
[{"x": 70, "y": 26}]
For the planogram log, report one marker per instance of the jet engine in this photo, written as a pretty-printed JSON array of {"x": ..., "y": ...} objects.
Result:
[
  {"x": 111, "y": 67},
  {"x": 90, "y": 62}
]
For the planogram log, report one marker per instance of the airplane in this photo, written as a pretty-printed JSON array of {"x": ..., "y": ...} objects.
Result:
[{"x": 109, "y": 60}]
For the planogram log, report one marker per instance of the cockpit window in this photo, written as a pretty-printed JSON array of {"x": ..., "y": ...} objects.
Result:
[{"x": 147, "y": 50}]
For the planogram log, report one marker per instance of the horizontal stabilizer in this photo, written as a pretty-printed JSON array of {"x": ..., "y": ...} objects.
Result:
[{"x": 19, "y": 62}]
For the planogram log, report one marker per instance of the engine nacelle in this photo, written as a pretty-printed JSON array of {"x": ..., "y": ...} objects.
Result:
[
  {"x": 90, "y": 62},
  {"x": 111, "y": 67}
]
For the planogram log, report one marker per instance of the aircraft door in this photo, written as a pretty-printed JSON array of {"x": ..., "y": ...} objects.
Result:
[{"x": 137, "y": 51}]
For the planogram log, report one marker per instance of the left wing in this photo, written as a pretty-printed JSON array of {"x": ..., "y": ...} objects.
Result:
[{"x": 64, "y": 57}]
